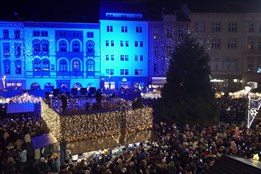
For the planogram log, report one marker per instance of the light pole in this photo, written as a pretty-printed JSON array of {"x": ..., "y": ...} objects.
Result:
[
  {"x": 247, "y": 90},
  {"x": 3, "y": 80}
]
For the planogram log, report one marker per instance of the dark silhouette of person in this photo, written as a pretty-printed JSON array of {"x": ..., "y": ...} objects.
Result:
[{"x": 64, "y": 102}]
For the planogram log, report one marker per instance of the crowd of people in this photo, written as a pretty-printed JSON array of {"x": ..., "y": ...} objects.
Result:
[{"x": 173, "y": 149}]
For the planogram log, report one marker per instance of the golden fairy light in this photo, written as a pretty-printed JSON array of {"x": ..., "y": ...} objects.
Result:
[{"x": 95, "y": 125}]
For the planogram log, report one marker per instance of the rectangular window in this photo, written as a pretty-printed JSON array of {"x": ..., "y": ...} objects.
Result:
[
  {"x": 138, "y": 29},
  {"x": 90, "y": 35},
  {"x": 251, "y": 44},
  {"x": 122, "y": 57},
  {"x": 136, "y": 72},
  {"x": 107, "y": 57},
  {"x": 44, "y": 33},
  {"x": 126, "y": 72},
  {"x": 215, "y": 43},
  {"x": 6, "y": 47},
  {"x": 136, "y": 43},
  {"x": 109, "y": 29},
  {"x": 111, "y": 71},
  {"x": 6, "y": 34},
  {"x": 122, "y": 71},
  {"x": 17, "y": 50},
  {"x": 136, "y": 58},
  {"x": 156, "y": 34},
  {"x": 121, "y": 43},
  {"x": 232, "y": 27},
  {"x": 141, "y": 58},
  {"x": 107, "y": 43},
  {"x": 112, "y": 43},
  {"x": 17, "y": 34},
  {"x": 181, "y": 32},
  {"x": 200, "y": 27},
  {"x": 155, "y": 51},
  {"x": 127, "y": 43},
  {"x": 232, "y": 44},
  {"x": 169, "y": 33},
  {"x": 141, "y": 43},
  {"x": 126, "y": 57},
  {"x": 112, "y": 57},
  {"x": 107, "y": 71},
  {"x": 216, "y": 27},
  {"x": 251, "y": 27},
  {"x": 36, "y": 33},
  {"x": 124, "y": 29}
]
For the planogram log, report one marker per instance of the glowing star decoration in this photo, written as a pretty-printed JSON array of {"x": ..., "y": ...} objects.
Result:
[{"x": 253, "y": 107}]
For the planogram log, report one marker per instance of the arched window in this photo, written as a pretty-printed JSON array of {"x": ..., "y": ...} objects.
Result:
[
  {"x": 48, "y": 87},
  {"x": 76, "y": 65},
  {"x": 45, "y": 45},
  {"x": 36, "y": 46},
  {"x": 46, "y": 65},
  {"x": 76, "y": 46},
  {"x": 35, "y": 86},
  {"x": 36, "y": 65},
  {"x": 63, "y": 65},
  {"x": 7, "y": 64},
  {"x": 62, "y": 46},
  {"x": 18, "y": 67},
  {"x": 77, "y": 85},
  {"x": 90, "y": 48},
  {"x": 90, "y": 65}
]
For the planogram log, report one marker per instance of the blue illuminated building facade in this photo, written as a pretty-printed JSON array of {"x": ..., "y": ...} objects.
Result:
[{"x": 125, "y": 49}]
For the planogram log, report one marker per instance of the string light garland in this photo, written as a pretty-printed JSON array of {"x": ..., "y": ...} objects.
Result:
[{"x": 95, "y": 125}]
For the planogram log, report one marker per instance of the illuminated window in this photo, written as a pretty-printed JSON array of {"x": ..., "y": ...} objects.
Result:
[
  {"x": 126, "y": 72},
  {"x": 36, "y": 46},
  {"x": 90, "y": 65},
  {"x": 232, "y": 27},
  {"x": 127, "y": 43},
  {"x": 107, "y": 43},
  {"x": 109, "y": 71},
  {"x": 6, "y": 47},
  {"x": 17, "y": 34},
  {"x": 126, "y": 57},
  {"x": 90, "y": 48},
  {"x": 76, "y": 66},
  {"x": 6, "y": 34},
  {"x": 76, "y": 46},
  {"x": 7, "y": 66},
  {"x": 216, "y": 27},
  {"x": 90, "y": 35},
  {"x": 62, "y": 46},
  {"x": 107, "y": 57},
  {"x": 181, "y": 32},
  {"x": 46, "y": 65},
  {"x": 121, "y": 43},
  {"x": 36, "y": 65},
  {"x": 17, "y": 50},
  {"x": 251, "y": 43},
  {"x": 63, "y": 66},
  {"x": 18, "y": 67}
]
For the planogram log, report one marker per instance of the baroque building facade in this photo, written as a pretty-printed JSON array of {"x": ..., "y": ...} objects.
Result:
[{"x": 125, "y": 48}]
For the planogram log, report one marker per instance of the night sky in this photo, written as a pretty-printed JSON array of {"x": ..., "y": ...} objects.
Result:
[{"x": 88, "y": 10}]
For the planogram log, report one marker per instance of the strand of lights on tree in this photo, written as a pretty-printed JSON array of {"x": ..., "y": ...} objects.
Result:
[{"x": 78, "y": 127}]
